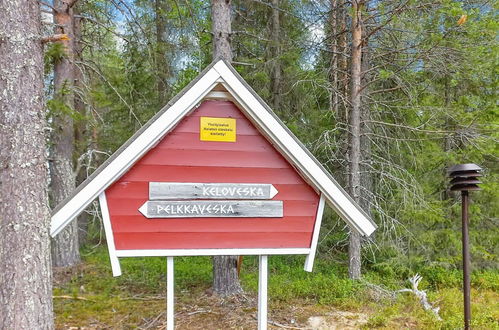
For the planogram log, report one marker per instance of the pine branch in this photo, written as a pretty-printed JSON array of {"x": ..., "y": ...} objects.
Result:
[{"x": 55, "y": 38}]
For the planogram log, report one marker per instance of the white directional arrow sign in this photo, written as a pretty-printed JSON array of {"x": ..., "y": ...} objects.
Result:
[
  {"x": 182, "y": 190},
  {"x": 212, "y": 209}
]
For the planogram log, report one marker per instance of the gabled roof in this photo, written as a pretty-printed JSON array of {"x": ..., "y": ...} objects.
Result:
[{"x": 218, "y": 72}]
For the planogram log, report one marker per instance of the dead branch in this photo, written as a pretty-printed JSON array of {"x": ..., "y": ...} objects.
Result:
[
  {"x": 423, "y": 299},
  {"x": 150, "y": 298},
  {"x": 73, "y": 298},
  {"x": 274, "y": 323}
]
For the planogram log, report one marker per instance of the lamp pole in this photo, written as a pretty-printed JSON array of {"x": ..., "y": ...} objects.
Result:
[
  {"x": 466, "y": 260},
  {"x": 464, "y": 179}
]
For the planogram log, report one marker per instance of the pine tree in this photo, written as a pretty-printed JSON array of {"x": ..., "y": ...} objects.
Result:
[{"x": 25, "y": 276}]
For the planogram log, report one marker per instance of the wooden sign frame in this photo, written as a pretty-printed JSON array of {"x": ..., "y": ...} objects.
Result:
[{"x": 207, "y": 85}]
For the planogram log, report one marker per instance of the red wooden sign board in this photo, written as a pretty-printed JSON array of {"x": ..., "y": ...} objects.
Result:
[
  {"x": 216, "y": 135},
  {"x": 182, "y": 157}
]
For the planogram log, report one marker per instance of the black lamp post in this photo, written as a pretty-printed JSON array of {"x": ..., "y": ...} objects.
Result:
[{"x": 465, "y": 178}]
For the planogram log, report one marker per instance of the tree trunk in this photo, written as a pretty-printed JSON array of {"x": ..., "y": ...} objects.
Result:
[
  {"x": 342, "y": 92},
  {"x": 343, "y": 79},
  {"x": 354, "y": 155},
  {"x": 221, "y": 29},
  {"x": 333, "y": 64},
  {"x": 225, "y": 279},
  {"x": 25, "y": 276},
  {"x": 82, "y": 139},
  {"x": 275, "y": 78},
  {"x": 366, "y": 177},
  {"x": 162, "y": 67},
  {"x": 65, "y": 247}
]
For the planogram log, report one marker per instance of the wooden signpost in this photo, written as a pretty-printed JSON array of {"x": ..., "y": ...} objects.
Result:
[
  {"x": 171, "y": 200},
  {"x": 215, "y": 172},
  {"x": 182, "y": 190},
  {"x": 210, "y": 209}
]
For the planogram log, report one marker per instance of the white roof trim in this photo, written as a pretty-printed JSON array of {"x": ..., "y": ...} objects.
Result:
[
  {"x": 295, "y": 152},
  {"x": 256, "y": 110}
]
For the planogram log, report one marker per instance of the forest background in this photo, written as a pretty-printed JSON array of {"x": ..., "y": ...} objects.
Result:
[{"x": 415, "y": 81}]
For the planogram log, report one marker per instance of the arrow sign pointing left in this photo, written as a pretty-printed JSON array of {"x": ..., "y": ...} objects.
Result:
[{"x": 212, "y": 209}]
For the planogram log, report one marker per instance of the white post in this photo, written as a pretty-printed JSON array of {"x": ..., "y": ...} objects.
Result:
[
  {"x": 169, "y": 294},
  {"x": 262, "y": 292}
]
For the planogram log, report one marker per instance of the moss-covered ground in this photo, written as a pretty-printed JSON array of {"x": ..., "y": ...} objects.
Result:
[{"x": 88, "y": 297}]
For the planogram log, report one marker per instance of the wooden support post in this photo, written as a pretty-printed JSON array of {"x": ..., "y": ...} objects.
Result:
[
  {"x": 262, "y": 292},
  {"x": 169, "y": 294}
]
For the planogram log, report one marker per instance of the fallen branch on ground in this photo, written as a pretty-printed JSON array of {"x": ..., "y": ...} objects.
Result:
[
  {"x": 423, "y": 299},
  {"x": 72, "y": 297}
]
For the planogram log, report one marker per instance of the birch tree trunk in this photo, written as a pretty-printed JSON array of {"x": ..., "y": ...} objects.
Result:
[
  {"x": 25, "y": 270},
  {"x": 225, "y": 279},
  {"x": 65, "y": 247},
  {"x": 275, "y": 77},
  {"x": 354, "y": 154}
]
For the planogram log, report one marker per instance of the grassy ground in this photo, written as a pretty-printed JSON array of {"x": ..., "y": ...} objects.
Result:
[{"x": 89, "y": 297}]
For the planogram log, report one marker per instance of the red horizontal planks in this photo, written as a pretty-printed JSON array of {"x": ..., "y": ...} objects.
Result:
[
  {"x": 190, "y": 141},
  {"x": 181, "y": 157},
  {"x": 149, "y": 241},
  {"x": 214, "y": 158},
  {"x": 137, "y": 223},
  {"x": 214, "y": 174},
  {"x": 213, "y": 108},
  {"x": 128, "y": 189}
]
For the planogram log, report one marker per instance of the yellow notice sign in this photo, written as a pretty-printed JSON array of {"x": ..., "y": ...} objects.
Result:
[{"x": 217, "y": 129}]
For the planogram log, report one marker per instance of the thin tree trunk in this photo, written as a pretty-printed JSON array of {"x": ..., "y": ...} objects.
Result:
[
  {"x": 354, "y": 155},
  {"x": 343, "y": 79},
  {"x": 366, "y": 177},
  {"x": 162, "y": 67},
  {"x": 343, "y": 92},
  {"x": 221, "y": 29},
  {"x": 333, "y": 64},
  {"x": 448, "y": 137},
  {"x": 275, "y": 78},
  {"x": 25, "y": 270},
  {"x": 82, "y": 139},
  {"x": 65, "y": 247},
  {"x": 225, "y": 279}
]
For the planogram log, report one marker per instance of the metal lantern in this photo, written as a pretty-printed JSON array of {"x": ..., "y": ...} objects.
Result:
[{"x": 465, "y": 179}]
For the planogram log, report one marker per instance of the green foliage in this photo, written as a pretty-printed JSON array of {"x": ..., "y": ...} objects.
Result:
[{"x": 53, "y": 53}]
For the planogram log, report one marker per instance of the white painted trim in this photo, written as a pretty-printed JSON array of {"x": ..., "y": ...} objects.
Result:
[
  {"x": 170, "y": 294},
  {"x": 133, "y": 152},
  {"x": 208, "y": 252},
  {"x": 309, "y": 261},
  {"x": 262, "y": 292},
  {"x": 294, "y": 152},
  {"x": 106, "y": 220}
]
